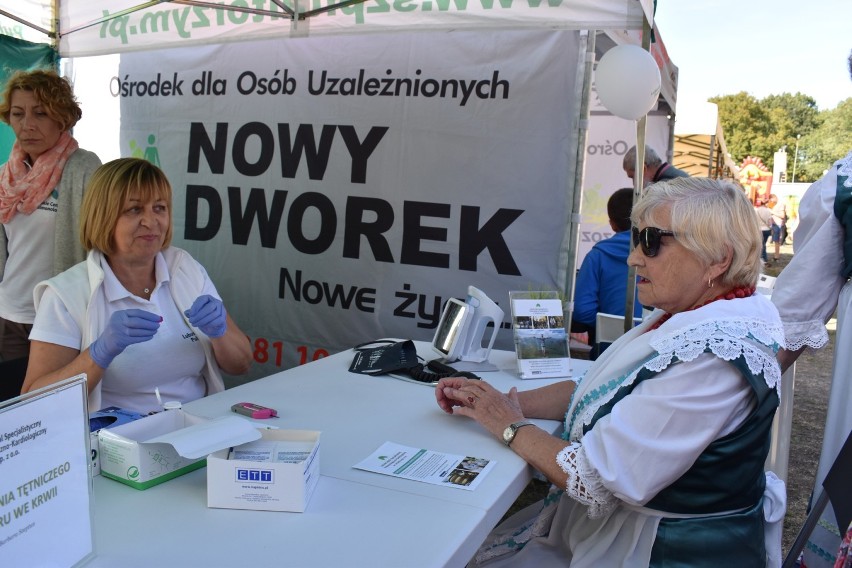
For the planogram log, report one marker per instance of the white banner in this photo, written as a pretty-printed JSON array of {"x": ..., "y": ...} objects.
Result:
[
  {"x": 340, "y": 189},
  {"x": 92, "y": 28},
  {"x": 608, "y": 139}
]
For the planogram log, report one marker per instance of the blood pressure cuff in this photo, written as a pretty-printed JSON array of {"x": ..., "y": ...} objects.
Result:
[{"x": 384, "y": 356}]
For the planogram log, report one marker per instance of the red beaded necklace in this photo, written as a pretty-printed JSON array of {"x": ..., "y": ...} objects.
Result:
[{"x": 738, "y": 292}]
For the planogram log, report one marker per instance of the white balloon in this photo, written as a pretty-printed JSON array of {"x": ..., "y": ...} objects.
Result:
[{"x": 627, "y": 81}]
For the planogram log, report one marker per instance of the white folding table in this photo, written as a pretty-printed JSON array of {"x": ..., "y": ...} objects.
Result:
[{"x": 354, "y": 518}]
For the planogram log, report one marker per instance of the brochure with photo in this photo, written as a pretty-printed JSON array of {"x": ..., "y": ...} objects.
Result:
[
  {"x": 418, "y": 464},
  {"x": 541, "y": 342}
]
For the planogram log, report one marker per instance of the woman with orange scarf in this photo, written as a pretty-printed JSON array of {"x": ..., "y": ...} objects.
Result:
[{"x": 41, "y": 188}]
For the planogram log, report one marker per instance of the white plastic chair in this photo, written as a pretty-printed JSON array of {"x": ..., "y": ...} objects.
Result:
[
  {"x": 765, "y": 284},
  {"x": 610, "y": 327}
]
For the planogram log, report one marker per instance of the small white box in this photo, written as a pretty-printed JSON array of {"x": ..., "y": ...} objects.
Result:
[
  {"x": 165, "y": 445},
  {"x": 265, "y": 485},
  {"x": 765, "y": 284},
  {"x": 109, "y": 417}
]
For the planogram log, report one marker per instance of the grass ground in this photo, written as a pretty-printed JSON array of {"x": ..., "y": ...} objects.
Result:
[{"x": 813, "y": 378}]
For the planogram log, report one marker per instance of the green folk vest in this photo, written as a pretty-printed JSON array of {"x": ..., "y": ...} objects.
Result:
[
  {"x": 843, "y": 212},
  {"x": 724, "y": 486}
]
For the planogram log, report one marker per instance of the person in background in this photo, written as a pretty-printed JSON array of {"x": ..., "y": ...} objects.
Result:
[
  {"x": 655, "y": 168},
  {"x": 813, "y": 288},
  {"x": 137, "y": 314},
  {"x": 41, "y": 187},
  {"x": 601, "y": 284},
  {"x": 764, "y": 217},
  {"x": 661, "y": 461},
  {"x": 779, "y": 224}
]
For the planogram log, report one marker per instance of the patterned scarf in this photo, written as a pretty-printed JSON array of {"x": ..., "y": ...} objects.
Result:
[{"x": 22, "y": 190}]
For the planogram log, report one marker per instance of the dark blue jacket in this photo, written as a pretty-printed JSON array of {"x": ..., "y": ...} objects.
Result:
[{"x": 602, "y": 281}]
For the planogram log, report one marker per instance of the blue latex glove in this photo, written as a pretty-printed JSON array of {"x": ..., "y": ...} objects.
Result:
[
  {"x": 124, "y": 328},
  {"x": 208, "y": 314}
]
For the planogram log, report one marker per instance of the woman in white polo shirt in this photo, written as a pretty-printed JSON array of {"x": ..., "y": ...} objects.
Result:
[{"x": 137, "y": 314}]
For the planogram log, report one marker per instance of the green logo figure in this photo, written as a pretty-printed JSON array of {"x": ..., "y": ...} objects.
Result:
[
  {"x": 136, "y": 151},
  {"x": 151, "y": 153}
]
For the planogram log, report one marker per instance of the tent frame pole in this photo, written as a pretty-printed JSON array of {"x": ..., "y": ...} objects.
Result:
[
  {"x": 6, "y": 14},
  {"x": 638, "y": 186},
  {"x": 576, "y": 191},
  {"x": 287, "y": 12}
]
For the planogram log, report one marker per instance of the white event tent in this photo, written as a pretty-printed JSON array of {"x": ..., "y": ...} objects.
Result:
[
  {"x": 149, "y": 30},
  {"x": 165, "y": 38},
  {"x": 84, "y": 27},
  {"x": 165, "y": 41}
]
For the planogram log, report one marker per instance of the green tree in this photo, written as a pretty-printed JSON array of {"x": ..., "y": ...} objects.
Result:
[
  {"x": 826, "y": 144},
  {"x": 746, "y": 125},
  {"x": 791, "y": 116},
  {"x": 759, "y": 128},
  {"x": 800, "y": 111}
]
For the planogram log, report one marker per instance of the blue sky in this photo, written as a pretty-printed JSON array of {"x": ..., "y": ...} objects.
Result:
[{"x": 764, "y": 47}]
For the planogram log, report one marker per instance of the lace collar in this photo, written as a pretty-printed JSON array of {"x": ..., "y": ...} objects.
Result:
[{"x": 755, "y": 339}]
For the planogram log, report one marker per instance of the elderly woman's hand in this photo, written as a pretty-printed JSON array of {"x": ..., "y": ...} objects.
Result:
[
  {"x": 479, "y": 400},
  {"x": 451, "y": 385}
]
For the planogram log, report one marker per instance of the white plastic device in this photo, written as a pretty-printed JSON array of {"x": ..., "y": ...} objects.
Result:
[{"x": 462, "y": 327}]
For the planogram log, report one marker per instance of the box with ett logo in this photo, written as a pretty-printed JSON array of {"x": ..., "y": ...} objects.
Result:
[
  {"x": 279, "y": 472},
  {"x": 163, "y": 446}
]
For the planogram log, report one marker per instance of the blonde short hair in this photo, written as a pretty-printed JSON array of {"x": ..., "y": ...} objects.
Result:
[
  {"x": 107, "y": 192},
  {"x": 708, "y": 215},
  {"x": 52, "y": 91}
]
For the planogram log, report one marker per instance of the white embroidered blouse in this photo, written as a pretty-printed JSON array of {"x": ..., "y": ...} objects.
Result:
[{"x": 670, "y": 419}]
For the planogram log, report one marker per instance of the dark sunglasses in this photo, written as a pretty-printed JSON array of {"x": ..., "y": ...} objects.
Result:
[{"x": 649, "y": 238}]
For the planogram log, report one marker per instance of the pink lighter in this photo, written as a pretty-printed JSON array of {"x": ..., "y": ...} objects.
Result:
[{"x": 254, "y": 410}]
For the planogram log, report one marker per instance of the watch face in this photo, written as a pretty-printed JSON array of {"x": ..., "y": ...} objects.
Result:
[{"x": 508, "y": 434}]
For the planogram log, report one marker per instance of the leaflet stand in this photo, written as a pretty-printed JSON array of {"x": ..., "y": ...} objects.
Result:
[{"x": 541, "y": 341}]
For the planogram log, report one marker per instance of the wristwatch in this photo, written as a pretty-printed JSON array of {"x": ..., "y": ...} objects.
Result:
[{"x": 512, "y": 429}]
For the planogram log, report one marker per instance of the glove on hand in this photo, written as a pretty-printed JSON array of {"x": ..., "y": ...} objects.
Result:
[
  {"x": 208, "y": 314},
  {"x": 124, "y": 328}
]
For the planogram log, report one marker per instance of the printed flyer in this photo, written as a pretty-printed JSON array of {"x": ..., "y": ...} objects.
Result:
[{"x": 461, "y": 472}]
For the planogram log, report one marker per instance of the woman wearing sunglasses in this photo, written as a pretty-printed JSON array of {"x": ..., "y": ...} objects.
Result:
[{"x": 661, "y": 462}]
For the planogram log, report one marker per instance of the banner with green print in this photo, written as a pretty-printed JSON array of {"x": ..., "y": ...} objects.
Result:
[
  {"x": 341, "y": 189},
  {"x": 608, "y": 139},
  {"x": 119, "y": 26}
]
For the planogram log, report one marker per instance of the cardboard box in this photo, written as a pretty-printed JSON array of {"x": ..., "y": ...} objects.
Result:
[
  {"x": 163, "y": 446},
  {"x": 108, "y": 417},
  {"x": 265, "y": 485}
]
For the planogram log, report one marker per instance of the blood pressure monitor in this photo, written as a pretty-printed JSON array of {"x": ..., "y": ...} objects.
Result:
[{"x": 462, "y": 327}]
